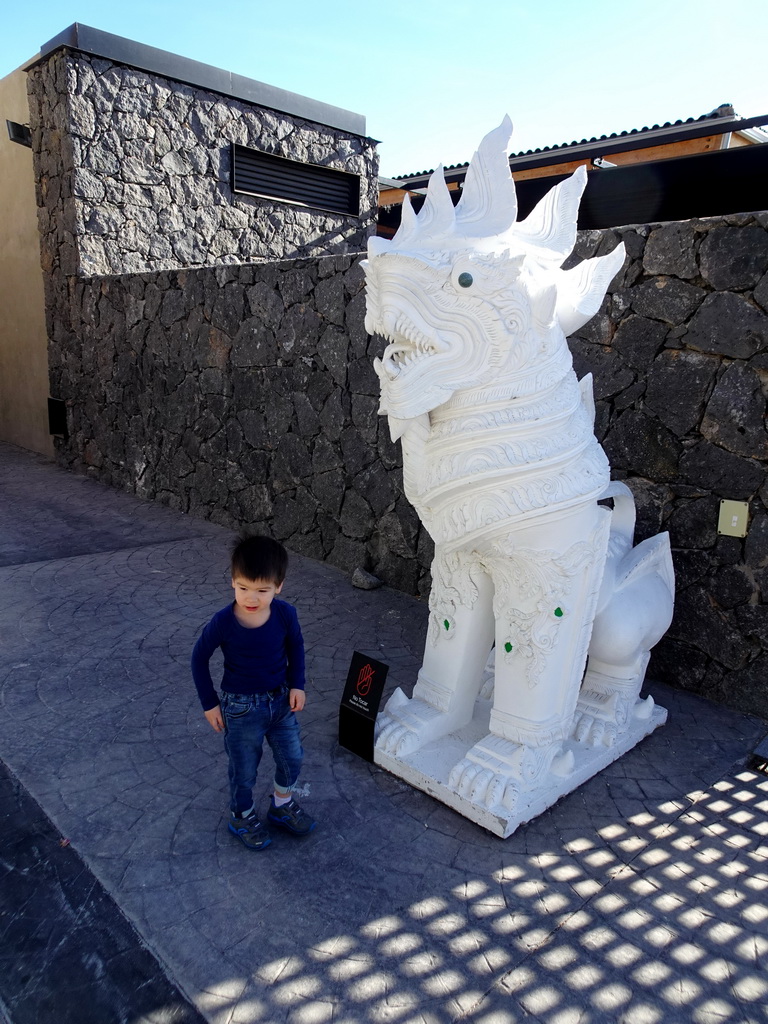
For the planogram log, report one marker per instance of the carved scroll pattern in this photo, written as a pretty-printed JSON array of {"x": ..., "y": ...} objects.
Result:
[
  {"x": 506, "y": 456},
  {"x": 541, "y": 582},
  {"x": 452, "y": 587},
  {"x": 485, "y": 510}
]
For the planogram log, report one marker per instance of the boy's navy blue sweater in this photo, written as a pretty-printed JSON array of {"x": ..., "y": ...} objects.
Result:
[{"x": 255, "y": 660}]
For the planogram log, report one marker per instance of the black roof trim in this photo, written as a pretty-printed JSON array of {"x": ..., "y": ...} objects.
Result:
[
  {"x": 637, "y": 138},
  {"x": 202, "y": 76}
]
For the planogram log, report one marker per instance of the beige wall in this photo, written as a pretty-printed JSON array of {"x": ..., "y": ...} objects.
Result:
[{"x": 23, "y": 341}]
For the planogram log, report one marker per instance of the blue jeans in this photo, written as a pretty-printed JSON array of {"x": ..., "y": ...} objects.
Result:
[{"x": 249, "y": 718}]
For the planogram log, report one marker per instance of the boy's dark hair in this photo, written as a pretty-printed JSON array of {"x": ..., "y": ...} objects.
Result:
[{"x": 259, "y": 558}]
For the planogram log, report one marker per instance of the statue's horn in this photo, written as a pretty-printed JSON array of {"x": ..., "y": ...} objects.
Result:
[
  {"x": 551, "y": 225},
  {"x": 408, "y": 220},
  {"x": 437, "y": 214},
  {"x": 488, "y": 203}
]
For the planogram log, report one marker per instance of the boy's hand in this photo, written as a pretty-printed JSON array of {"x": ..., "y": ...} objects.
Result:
[
  {"x": 215, "y": 718},
  {"x": 297, "y": 699}
]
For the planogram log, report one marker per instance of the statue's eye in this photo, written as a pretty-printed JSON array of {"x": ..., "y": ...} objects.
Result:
[{"x": 465, "y": 280}]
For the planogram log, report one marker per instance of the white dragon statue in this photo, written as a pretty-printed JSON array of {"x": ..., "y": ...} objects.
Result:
[{"x": 502, "y": 465}]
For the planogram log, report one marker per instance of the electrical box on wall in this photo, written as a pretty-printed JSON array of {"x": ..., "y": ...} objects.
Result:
[{"x": 733, "y": 518}]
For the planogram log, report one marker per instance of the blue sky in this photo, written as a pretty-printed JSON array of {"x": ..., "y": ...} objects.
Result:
[{"x": 433, "y": 76}]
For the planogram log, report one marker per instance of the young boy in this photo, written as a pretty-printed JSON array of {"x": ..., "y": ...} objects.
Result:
[{"x": 262, "y": 687}]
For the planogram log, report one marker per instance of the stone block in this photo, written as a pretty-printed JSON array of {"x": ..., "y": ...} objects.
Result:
[
  {"x": 328, "y": 488},
  {"x": 293, "y": 513},
  {"x": 292, "y": 465},
  {"x": 746, "y": 689},
  {"x": 599, "y": 330},
  {"x": 756, "y": 548},
  {"x": 611, "y": 375},
  {"x": 638, "y": 340},
  {"x": 652, "y": 503},
  {"x": 362, "y": 378},
  {"x": 332, "y": 349},
  {"x": 735, "y": 414},
  {"x": 173, "y": 307},
  {"x": 728, "y": 325},
  {"x": 730, "y": 586},
  {"x": 666, "y": 299},
  {"x": 624, "y": 400},
  {"x": 307, "y": 419},
  {"x": 678, "y": 663},
  {"x": 319, "y": 388},
  {"x": 640, "y": 444},
  {"x": 761, "y": 292},
  {"x": 365, "y": 417},
  {"x": 753, "y": 620},
  {"x": 734, "y": 258},
  {"x": 363, "y": 580},
  {"x": 332, "y": 416},
  {"x": 227, "y": 311},
  {"x": 255, "y": 464},
  {"x": 678, "y": 384},
  {"x": 693, "y": 524},
  {"x": 254, "y": 426},
  {"x": 634, "y": 240},
  {"x": 356, "y": 451},
  {"x": 699, "y": 622},
  {"x": 670, "y": 249},
  {"x": 690, "y": 567},
  {"x": 295, "y": 285},
  {"x": 214, "y": 451},
  {"x": 86, "y": 185},
  {"x": 299, "y": 332},
  {"x": 375, "y": 485},
  {"x": 330, "y": 300},
  {"x": 326, "y": 456},
  {"x": 728, "y": 475},
  {"x": 354, "y": 322},
  {"x": 279, "y": 414},
  {"x": 356, "y": 518},
  {"x": 401, "y": 573},
  {"x": 254, "y": 344},
  {"x": 134, "y": 170},
  {"x": 348, "y": 554}
]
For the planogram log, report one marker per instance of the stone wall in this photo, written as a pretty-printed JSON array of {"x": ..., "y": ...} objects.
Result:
[
  {"x": 246, "y": 394},
  {"x": 133, "y": 173},
  {"x": 679, "y": 352}
]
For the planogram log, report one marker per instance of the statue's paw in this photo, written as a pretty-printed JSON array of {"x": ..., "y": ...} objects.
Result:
[
  {"x": 593, "y": 731},
  {"x": 405, "y": 726},
  {"x": 396, "y": 739},
  {"x": 482, "y": 786}
]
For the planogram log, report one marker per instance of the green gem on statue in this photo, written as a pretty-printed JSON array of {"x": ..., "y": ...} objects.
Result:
[
  {"x": 446, "y": 623},
  {"x": 559, "y": 613},
  {"x": 508, "y": 647}
]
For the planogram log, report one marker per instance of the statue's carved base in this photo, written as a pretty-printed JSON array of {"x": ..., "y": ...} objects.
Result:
[{"x": 500, "y": 785}]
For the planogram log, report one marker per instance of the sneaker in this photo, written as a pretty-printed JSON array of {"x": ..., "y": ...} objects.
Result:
[
  {"x": 291, "y": 817},
  {"x": 250, "y": 831}
]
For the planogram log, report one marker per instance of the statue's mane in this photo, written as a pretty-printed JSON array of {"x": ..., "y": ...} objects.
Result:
[{"x": 485, "y": 217}]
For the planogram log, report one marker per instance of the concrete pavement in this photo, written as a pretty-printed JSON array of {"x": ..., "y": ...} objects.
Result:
[{"x": 642, "y": 897}]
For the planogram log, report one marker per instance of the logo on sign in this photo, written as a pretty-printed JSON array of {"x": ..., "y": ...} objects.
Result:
[{"x": 364, "y": 680}]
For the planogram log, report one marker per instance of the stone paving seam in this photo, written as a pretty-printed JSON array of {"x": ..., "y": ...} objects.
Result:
[{"x": 93, "y": 946}]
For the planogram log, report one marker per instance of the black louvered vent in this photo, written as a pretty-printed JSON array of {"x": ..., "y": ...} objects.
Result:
[{"x": 274, "y": 177}]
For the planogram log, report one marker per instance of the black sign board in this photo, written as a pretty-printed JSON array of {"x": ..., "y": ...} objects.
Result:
[{"x": 360, "y": 704}]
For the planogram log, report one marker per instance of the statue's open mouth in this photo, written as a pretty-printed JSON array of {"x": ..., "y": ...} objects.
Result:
[{"x": 408, "y": 347}]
